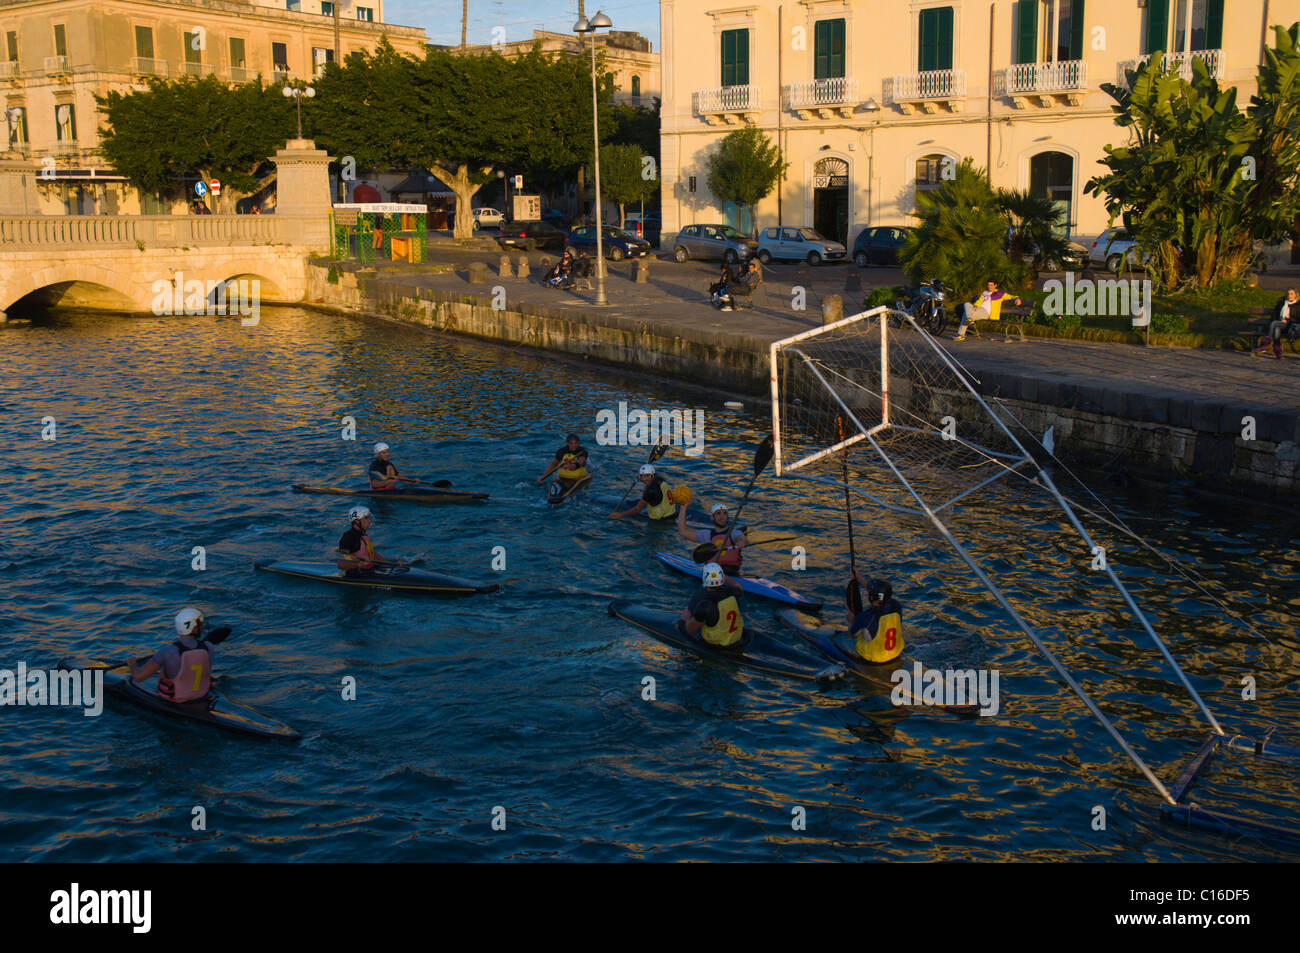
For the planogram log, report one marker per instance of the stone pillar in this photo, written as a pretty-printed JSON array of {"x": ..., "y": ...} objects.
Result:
[
  {"x": 504, "y": 270},
  {"x": 18, "y": 187},
  {"x": 302, "y": 201},
  {"x": 642, "y": 271},
  {"x": 478, "y": 272},
  {"x": 524, "y": 270},
  {"x": 832, "y": 309}
]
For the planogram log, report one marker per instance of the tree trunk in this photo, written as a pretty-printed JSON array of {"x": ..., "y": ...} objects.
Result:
[
  {"x": 622, "y": 216},
  {"x": 464, "y": 21},
  {"x": 465, "y": 190}
]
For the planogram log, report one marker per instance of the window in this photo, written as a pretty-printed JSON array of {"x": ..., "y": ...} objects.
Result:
[
  {"x": 791, "y": 235},
  {"x": 1207, "y": 25},
  {"x": 237, "y": 51},
  {"x": 294, "y": 5},
  {"x": 60, "y": 40},
  {"x": 326, "y": 8},
  {"x": 636, "y": 87},
  {"x": 65, "y": 122},
  {"x": 366, "y": 13},
  {"x": 319, "y": 57},
  {"x": 18, "y": 125},
  {"x": 11, "y": 44},
  {"x": 144, "y": 42},
  {"x": 193, "y": 54},
  {"x": 735, "y": 57},
  {"x": 280, "y": 57},
  {"x": 1034, "y": 30},
  {"x": 929, "y": 171},
  {"x": 828, "y": 49},
  {"x": 935, "y": 39}
]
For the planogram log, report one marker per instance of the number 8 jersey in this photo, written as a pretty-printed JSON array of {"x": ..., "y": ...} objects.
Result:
[{"x": 879, "y": 631}]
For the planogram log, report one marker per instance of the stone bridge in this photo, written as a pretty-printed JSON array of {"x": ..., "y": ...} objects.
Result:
[{"x": 113, "y": 262}]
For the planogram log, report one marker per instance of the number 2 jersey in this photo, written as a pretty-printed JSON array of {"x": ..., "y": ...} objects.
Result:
[
  {"x": 879, "y": 632},
  {"x": 719, "y": 612}
]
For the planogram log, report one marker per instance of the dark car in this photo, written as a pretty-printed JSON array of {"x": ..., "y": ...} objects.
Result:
[
  {"x": 617, "y": 243},
  {"x": 647, "y": 226},
  {"x": 555, "y": 217},
  {"x": 880, "y": 245},
  {"x": 531, "y": 235}
]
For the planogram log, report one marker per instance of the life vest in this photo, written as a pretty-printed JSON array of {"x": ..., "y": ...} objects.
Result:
[
  {"x": 665, "y": 508},
  {"x": 882, "y": 642},
  {"x": 729, "y": 559},
  {"x": 383, "y": 473},
  {"x": 730, "y": 627},
  {"x": 193, "y": 678},
  {"x": 569, "y": 468}
]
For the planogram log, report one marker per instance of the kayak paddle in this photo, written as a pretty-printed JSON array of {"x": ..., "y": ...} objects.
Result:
[
  {"x": 852, "y": 592},
  {"x": 659, "y": 450},
  {"x": 762, "y": 457}
]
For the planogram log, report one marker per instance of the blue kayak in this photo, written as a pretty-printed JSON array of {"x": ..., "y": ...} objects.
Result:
[{"x": 754, "y": 585}]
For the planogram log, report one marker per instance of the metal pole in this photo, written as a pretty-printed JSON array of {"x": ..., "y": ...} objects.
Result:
[{"x": 595, "y": 133}]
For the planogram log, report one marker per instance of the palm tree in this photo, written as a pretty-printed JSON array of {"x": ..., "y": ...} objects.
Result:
[{"x": 1033, "y": 224}]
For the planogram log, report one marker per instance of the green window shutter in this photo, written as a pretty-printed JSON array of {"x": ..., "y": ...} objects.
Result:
[
  {"x": 742, "y": 57},
  {"x": 1157, "y": 26},
  {"x": 1076, "y": 30},
  {"x": 1214, "y": 25},
  {"x": 144, "y": 42},
  {"x": 828, "y": 44},
  {"x": 929, "y": 41},
  {"x": 735, "y": 57},
  {"x": 1027, "y": 31},
  {"x": 945, "y": 38}
]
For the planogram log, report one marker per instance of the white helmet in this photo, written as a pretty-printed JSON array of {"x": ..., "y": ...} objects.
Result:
[
  {"x": 380, "y": 448},
  {"x": 358, "y": 513},
  {"x": 647, "y": 470},
  {"x": 189, "y": 622},
  {"x": 717, "y": 506},
  {"x": 712, "y": 576}
]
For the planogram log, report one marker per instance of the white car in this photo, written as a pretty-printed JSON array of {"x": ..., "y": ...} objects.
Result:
[
  {"x": 488, "y": 218},
  {"x": 1114, "y": 249}
]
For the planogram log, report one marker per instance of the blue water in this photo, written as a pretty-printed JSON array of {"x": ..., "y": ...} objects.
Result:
[{"x": 181, "y": 432}]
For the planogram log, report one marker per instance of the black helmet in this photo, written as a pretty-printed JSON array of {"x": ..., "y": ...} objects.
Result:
[{"x": 879, "y": 591}]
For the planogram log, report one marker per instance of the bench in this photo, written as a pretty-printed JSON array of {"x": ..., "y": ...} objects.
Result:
[
  {"x": 742, "y": 297},
  {"x": 1257, "y": 329},
  {"x": 1011, "y": 319}
]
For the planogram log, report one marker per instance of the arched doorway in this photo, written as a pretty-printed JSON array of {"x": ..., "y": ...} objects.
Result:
[
  {"x": 831, "y": 198},
  {"x": 1051, "y": 175}
]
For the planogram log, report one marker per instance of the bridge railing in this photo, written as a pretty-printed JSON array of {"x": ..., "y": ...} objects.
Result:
[{"x": 134, "y": 231}]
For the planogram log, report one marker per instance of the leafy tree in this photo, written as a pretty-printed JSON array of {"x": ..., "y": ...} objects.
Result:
[
  {"x": 623, "y": 177},
  {"x": 961, "y": 238},
  {"x": 1032, "y": 229},
  {"x": 637, "y": 126},
  {"x": 194, "y": 126},
  {"x": 1200, "y": 183},
  {"x": 745, "y": 169}
]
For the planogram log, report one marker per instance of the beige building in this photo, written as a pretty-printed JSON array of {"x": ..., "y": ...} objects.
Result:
[
  {"x": 872, "y": 100},
  {"x": 629, "y": 59},
  {"x": 58, "y": 54}
]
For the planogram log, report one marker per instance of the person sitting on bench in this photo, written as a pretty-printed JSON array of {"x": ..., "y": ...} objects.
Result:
[
  {"x": 561, "y": 276},
  {"x": 987, "y": 308},
  {"x": 1286, "y": 314},
  {"x": 718, "y": 295},
  {"x": 744, "y": 286}
]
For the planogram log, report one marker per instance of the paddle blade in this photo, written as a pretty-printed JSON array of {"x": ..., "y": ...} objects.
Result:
[
  {"x": 704, "y": 552},
  {"x": 763, "y": 456},
  {"x": 217, "y": 636},
  {"x": 441, "y": 484},
  {"x": 853, "y": 596},
  {"x": 659, "y": 450}
]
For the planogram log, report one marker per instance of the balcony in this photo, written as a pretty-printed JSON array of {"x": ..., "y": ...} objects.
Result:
[
  {"x": 56, "y": 65},
  {"x": 927, "y": 91},
  {"x": 67, "y": 147},
  {"x": 197, "y": 69},
  {"x": 1182, "y": 62},
  {"x": 9, "y": 70},
  {"x": 242, "y": 74},
  {"x": 726, "y": 105},
  {"x": 1043, "y": 83},
  {"x": 823, "y": 98},
  {"x": 144, "y": 66}
]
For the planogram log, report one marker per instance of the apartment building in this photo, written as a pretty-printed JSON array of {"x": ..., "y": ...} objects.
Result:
[
  {"x": 630, "y": 60},
  {"x": 59, "y": 54},
  {"x": 871, "y": 100}
]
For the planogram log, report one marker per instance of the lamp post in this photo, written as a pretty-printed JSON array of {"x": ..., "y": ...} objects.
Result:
[
  {"x": 297, "y": 93},
  {"x": 583, "y": 26},
  {"x": 505, "y": 212}
]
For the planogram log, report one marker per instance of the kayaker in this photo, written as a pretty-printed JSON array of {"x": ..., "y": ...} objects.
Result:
[
  {"x": 383, "y": 475},
  {"x": 358, "y": 552},
  {"x": 570, "y": 462},
  {"x": 655, "y": 498},
  {"x": 713, "y": 615},
  {"x": 875, "y": 633},
  {"x": 729, "y": 550},
  {"x": 185, "y": 667}
]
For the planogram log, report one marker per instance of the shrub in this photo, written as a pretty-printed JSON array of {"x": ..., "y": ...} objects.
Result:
[
  {"x": 332, "y": 276},
  {"x": 886, "y": 296},
  {"x": 1168, "y": 324}
]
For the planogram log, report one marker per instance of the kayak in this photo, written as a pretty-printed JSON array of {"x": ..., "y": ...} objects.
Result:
[
  {"x": 561, "y": 490},
  {"x": 412, "y": 494},
  {"x": 755, "y": 585},
  {"x": 216, "y": 709},
  {"x": 821, "y": 637},
  {"x": 412, "y": 580},
  {"x": 695, "y": 517},
  {"x": 756, "y": 650}
]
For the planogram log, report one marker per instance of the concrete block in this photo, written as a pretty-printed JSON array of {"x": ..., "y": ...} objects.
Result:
[
  {"x": 1206, "y": 417},
  {"x": 524, "y": 270},
  {"x": 478, "y": 272},
  {"x": 1112, "y": 401},
  {"x": 1090, "y": 398},
  {"x": 504, "y": 270},
  {"x": 832, "y": 309},
  {"x": 1180, "y": 413},
  {"x": 642, "y": 271}
]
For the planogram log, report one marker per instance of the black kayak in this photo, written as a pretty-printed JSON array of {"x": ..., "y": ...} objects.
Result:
[
  {"x": 411, "y": 580},
  {"x": 822, "y": 637},
  {"x": 216, "y": 709},
  {"x": 562, "y": 489},
  {"x": 755, "y": 650},
  {"x": 410, "y": 494}
]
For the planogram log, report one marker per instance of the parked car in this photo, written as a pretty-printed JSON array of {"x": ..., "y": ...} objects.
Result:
[
  {"x": 647, "y": 227},
  {"x": 531, "y": 236},
  {"x": 1075, "y": 258},
  {"x": 880, "y": 245},
  {"x": 617, "y": 243},
  {"x": 798, "y": 244},
  {"x": 555, "y": 217},
  {"x": 488, "y": 218},
  {"x": 1113, "y": 249},
  {"x": 715, "y": 242}
]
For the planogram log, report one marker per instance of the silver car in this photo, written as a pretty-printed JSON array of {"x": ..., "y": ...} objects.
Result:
[
  {"x": 798, "y": 244},
  {"x": 713, "y": 242}
]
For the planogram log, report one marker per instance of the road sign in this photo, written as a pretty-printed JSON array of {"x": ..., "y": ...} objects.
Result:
[
  {"x": 519, "y": 182},
  {"x": 215, "y": 186},
  {"x": 200, "y": 189}
]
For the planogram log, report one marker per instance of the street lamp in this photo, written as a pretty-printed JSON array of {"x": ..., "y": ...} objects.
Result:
[
  {"x": 583, "y": 26},
  {"x": 298, "y": 92}
]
